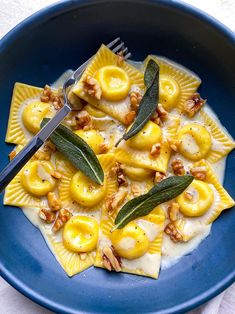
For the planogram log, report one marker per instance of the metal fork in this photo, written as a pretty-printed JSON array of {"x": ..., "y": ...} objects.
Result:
[{"x": 11, "y": 170}]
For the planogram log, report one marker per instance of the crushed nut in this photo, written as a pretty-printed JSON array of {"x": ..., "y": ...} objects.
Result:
[
  {"x": 63, "y": 216},
  {"x": 193, "y": 104},
  {"x": 159, "y": 176},
  {"x": 110, "y": 259},
  {"x": 103, "y": 148},
  {"x": 114, "y": 201},
  {"x": 155, "y": 150},
  {"x": 92, "y": 87},
  {"x": 49, "y": 96},
  {"x": 53, "y": 201},
  {"x": 199, "y": 173},
  {"x": 188, "y": 196},
  {"x": 173, "y": 211},
  {"x": 173, "y": 145},
  {"x": 136, "y": 189},
  {"x": 160, "y": 115},
  {"x": 178, "y": 167},
  {"x": 135, "y": 99},
  {"x": 56, "y": 175},
  {"x": 173, "y": 232},
  {"x": 117, "y": 171},
  {"x": 41, "y": 154},
  {"x": 82, "y": 121},
  {"x": 49, "y": 146},
  {"x": 129, "y": 117},
  {"x": 12, "y": 154},
  {"x": 47, "y": 215}
]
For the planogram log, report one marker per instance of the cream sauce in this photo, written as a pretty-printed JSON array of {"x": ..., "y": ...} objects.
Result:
[
  {"x": 150, "y": 228},
  {"x": 148, "y": 263}
]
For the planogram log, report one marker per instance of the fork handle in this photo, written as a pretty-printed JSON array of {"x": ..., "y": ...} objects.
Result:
[{"x": 11, "y": 170}]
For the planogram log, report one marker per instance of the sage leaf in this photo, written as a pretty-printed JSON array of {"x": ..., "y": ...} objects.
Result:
[
  {"x": 77, "y": 151},
  {"x": 149, "y": 101},
  {"x": 142, "y": 205}
]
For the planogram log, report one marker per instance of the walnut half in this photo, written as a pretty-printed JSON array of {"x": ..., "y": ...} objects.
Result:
[
  {"x": 173, "y": 232},
  {"x": 63, "y": 216},
  {"x": 111, "y": 261},
  {"x": 199, "y": 173}
]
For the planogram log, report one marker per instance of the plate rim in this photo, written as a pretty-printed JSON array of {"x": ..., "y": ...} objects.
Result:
[{"x": 64, "y": 6}]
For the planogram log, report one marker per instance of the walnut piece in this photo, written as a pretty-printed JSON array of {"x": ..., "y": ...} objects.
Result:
[
  {"x": 47, "y": 215},
  {"x": 111, "y": 261},
  {"x": 49, "y": 146},
  {"x": 199, "y": 173},
  {"x": 135, "y": 99},
  {"x": 188, "y": 196},
  {"x": 193, "y": 104},
  {"x": 12, "y": 154},
  {"x": 117, "y": 171},
  {"x": 114, "y": 201},
  {"x": 53, "y": 201},
  {"x": 103, "y": 148},
  {"x": 56, "y": 175},
  {"x": 159, "y": 176},
  {"x": 155, "y": 150},
  {"x": 129, "y": 117},
  {"x": 178, "y": 167},
  {"x": 173, "y": 211},
  {"x": 50, "y": 96},
  {"x": 173, "y": 145},
  {"x": 92, "y": 87},
  {"x": 82, "y": 120},
  {"x": 63, "y": 216},
  {"x": 173, "y": 232},
  {"x": 160, "y": 115},
  {"x": 41, "y": 154}
]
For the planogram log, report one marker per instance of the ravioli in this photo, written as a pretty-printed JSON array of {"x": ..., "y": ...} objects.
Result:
[
  {"x": 137, "y": 150},
  {"x": 222, "y": 144},
  {"x": 31, "y": 185},
  {"x": 95, "y": 200},
  {"x": 108, "y": 72},
  {"x": 176, "y": 84},
  {"x": 139, "y": 243},
  {"x": 22, "y": 94},
  {"x": 209, "y": 199},
  {"x": 203, "y": 139}
]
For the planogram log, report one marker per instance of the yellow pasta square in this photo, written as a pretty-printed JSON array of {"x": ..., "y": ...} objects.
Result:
[
  {"x": 105, "y": 57},
  {"x": 149, "y": 263},
  {"x": 22, "y": 94},
  {"x": 182, "y": 83}
]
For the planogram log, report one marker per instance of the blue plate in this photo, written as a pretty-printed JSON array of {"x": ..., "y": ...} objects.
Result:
[{"x": 62, "y": 36}]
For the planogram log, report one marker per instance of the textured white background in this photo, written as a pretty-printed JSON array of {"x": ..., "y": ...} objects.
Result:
[{"x": 11, "y": 13}]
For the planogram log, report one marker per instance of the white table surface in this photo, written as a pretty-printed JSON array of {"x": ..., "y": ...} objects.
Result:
[{"x": 11, "y": 13}]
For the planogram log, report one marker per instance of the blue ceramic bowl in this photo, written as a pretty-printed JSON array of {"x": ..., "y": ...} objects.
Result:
[{"x": 62, "y": 36}]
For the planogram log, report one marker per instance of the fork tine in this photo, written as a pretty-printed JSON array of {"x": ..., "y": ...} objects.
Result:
[
  {"x": 118, "y": 48},
  {"x": 124, "y": 51},
  {"x": 127, "y": 56},
  {"x": 112, "y": 43}
]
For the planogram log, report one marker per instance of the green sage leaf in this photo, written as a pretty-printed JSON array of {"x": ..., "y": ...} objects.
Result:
[
  {"x": 142, "y": 205},
  {"x": 77, "y": 151},
  {"x": 149, "y": 101}
]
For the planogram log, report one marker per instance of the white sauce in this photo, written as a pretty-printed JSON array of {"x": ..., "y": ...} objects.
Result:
[
  {"x": 149, "y": 263},
  {"x": 150, "y": 228},
  {"x": 127, "y": 243},
  {"x": 189, "y": 144}
]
